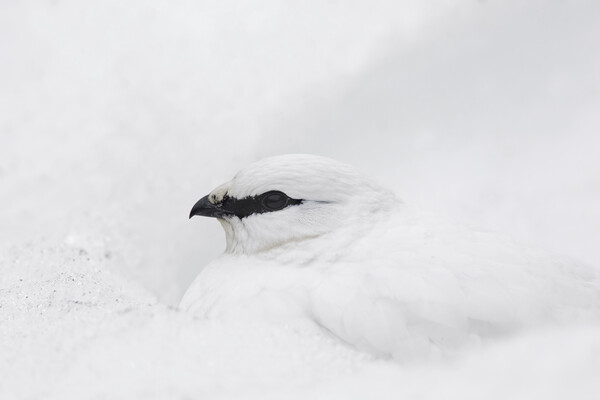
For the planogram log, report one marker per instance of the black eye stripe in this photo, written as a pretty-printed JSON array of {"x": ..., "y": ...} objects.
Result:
[{"x": 262, "y": 203}]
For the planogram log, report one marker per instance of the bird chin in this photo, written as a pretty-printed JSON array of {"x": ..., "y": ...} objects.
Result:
[{"x": 226, "y": 224}]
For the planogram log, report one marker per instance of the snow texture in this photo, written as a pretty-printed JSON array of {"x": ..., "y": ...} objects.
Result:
[{"x": 116, "y": 116}]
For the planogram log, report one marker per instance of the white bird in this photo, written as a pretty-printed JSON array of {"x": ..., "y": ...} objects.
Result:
[{"x": 313, "y": 244}]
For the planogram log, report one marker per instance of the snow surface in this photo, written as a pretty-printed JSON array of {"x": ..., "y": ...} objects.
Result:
[{"x": 115, "y": 117}]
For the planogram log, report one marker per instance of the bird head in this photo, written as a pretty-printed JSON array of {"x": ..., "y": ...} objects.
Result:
[{"x": 290, "y": 198}]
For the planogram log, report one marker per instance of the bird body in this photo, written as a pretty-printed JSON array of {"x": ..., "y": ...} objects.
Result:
[{"x": 346, "y": 257}]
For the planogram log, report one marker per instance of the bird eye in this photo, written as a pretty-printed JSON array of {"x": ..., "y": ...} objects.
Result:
[{"x": 274, "y": 201}]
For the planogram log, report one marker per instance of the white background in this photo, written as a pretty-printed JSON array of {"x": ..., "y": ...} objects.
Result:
[{"x": 115, "y": 117}]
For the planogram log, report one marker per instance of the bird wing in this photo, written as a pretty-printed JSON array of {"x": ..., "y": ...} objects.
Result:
[{"x": 419, "y": 284}]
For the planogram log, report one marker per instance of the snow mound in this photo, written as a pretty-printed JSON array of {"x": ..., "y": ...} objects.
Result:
[{"x": 72, "y": 330}]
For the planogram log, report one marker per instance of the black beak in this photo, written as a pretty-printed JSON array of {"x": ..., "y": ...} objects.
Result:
[{"x": 205, "y": 208}]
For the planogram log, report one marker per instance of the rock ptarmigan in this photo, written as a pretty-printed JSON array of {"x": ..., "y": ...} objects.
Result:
[{"x": 314, "y": 244}]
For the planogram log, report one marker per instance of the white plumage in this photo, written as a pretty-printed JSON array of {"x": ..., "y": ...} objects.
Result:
[{"x": 354, "y": 261}]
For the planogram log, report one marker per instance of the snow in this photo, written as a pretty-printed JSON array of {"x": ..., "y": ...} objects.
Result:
[{"x": 116, "y": 117}]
